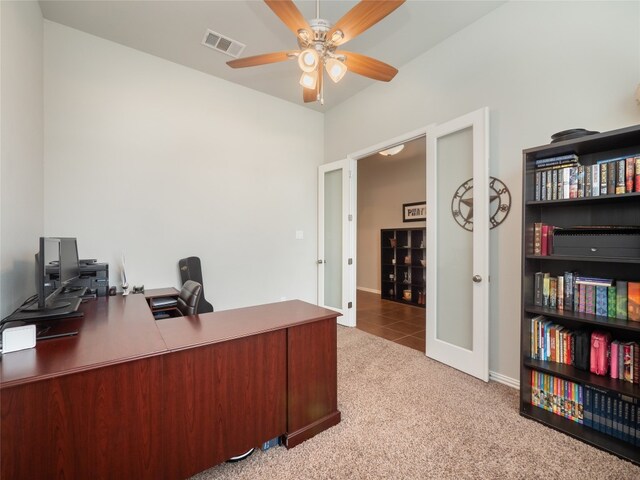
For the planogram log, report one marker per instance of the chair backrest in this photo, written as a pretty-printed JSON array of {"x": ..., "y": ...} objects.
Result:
[
  {"x": 189, "y": 297},
  {"x": 191, "y": 269}
]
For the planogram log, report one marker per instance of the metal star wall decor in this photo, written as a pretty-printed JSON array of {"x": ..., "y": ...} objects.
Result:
[{"x": 499, "y": 203}]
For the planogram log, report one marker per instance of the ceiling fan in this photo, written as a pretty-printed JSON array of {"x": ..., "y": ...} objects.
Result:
[{"x": 318, "y": 43}]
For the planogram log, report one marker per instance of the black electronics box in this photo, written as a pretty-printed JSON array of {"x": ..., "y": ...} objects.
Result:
[
  {"x": 605, "y": 241},
  {"x": 93, "y": 275}
]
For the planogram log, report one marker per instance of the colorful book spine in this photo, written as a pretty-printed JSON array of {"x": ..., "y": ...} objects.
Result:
[
  {"x": 537, "y": 238},
  {"x": 595, "y": 180},
  {"x": 587, "y": 181},
  {"x": 627, "y": 362},
  {"x": 576, "y": 297},
  {"x": 544, "y": 240},
  {"x": 573, "y": 182},
  {"x": 554, "y": 184},
  {"x": 603, "y": 179},
  {"x": 621, "y": 299},
  {"x": 553, "y": 292},
  {"x": 582, "y": 302},
  {"x": 537, "y": 288},
  {"x": 538, "y": 184},
  {"x": 611, "y": 302},
  {"x": 568, "y": 290},
  {"x": 560, "y": 300},
  {"x": 633, "y": 301},
  {"x": 590, "y": 299},
  {"x": 621, "y": 172},
  {"x": 566, "y": 179},
  {"x": 636, "y": 363},
  {"x": 614, "y": 355},
  {"x": 630, "y": 167},
  {"x": 611, "y": 178},
  {"x": 637, "y": 182},
  {"x": 601, "y": 300},
  {"x": 545, "y": 290},
  {"x": 581, "y": 185}
]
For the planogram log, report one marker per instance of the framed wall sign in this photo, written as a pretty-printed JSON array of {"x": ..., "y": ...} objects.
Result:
[{"x": 414, "y": 212}]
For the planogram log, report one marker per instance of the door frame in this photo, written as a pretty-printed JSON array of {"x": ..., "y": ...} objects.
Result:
[
  {"x": 348, "y": 312},
  {"x": 359, "y": 155}
]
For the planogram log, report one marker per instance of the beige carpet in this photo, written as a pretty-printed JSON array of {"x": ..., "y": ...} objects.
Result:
[{"x": 405, "y": 416}]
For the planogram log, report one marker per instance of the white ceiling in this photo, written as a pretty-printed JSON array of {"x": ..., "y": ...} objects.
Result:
[{"x": 174, "y": 30}]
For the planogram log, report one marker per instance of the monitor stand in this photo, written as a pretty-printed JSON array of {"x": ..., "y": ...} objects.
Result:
[{"x": 64, "y": 309}]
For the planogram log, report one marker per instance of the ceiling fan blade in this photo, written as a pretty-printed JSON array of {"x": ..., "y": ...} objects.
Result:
[
  {"x": 287, "y": 11},
  {"x": 312, "y": 95},
  {"x": 367, "y": 66},
  {"x": 361, "y": 17},
  {"x": 273, "y": 57}
]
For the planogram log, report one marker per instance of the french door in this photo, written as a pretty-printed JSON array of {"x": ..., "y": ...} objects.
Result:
[
  {"x": 336, "y": 277},
  {"x": 457, "y": 327}
]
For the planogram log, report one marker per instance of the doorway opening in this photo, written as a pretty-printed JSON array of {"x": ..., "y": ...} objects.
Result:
[{"x": 391, "y": 274}]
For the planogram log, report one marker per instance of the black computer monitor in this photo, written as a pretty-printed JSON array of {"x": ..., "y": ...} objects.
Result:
[
  {"x": 69, "y": 261},
  {"x": 56, "y": 257}
]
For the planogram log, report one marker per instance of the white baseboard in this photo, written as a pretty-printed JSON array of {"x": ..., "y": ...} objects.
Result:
[
  {"x": 508, "y": 381},
  {"x": 370, "y": 290}
]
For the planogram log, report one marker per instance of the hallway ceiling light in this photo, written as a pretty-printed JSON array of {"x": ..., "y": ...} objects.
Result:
[{"x": 392, "y": 151}]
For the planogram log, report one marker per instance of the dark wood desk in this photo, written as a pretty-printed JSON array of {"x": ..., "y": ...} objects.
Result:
[{"x": 133, "y": 398}]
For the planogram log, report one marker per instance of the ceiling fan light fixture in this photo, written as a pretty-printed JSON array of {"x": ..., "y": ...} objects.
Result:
[
  {"x": 336, "y": 69},
  {"x": 337, "y": 36},
  {"x": 392, "y": 151},
  {"x": 309, "y": 79},
  {"x": 303, "y": 35},
  {"x": 308, "y": 60}
]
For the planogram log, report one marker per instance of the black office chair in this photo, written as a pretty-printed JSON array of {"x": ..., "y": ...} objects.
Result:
[{"x": 189, "y": 298}]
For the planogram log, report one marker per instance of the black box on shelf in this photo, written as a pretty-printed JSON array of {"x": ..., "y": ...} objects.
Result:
[{"x": 597, "y": 241}]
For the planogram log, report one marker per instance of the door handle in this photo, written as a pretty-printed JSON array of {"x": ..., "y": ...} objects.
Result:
[
  {"x": 477, "y": 278},
  {"x": 320, "y": 262}
]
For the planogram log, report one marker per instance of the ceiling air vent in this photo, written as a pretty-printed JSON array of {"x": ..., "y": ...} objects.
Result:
[{"x": 223, "y": 44}]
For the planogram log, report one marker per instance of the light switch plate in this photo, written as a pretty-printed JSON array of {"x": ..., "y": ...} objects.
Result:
[
  {"x": 299, "y": 234},
  {"x": 18, "y": 338}
]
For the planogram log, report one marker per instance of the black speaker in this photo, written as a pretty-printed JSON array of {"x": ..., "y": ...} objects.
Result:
[{"x": 190, "y": 269}]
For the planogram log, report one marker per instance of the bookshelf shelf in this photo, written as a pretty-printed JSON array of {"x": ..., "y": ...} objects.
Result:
[
  {"x": 569, "y": 372},
  {"x": 585, "y": 318},
  {"x": 617, "y": 210},
  {"x": 576, "y": 258},
  {"x": 403, "y": 275}
]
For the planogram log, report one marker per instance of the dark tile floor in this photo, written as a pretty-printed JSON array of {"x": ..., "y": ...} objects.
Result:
[{"x": 403, "y": 324}]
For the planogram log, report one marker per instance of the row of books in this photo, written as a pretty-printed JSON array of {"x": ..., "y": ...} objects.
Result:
[
  {"x": 542, "y": 239},
  {"x": 598, "y": 296},
  {"x": 612, "y": 413},
  {"x": 569, "y": 179},
  {"x": 551, "y": 342},
  {"x": 558, "y": 396},
  {"x": 607, "y": 412}
]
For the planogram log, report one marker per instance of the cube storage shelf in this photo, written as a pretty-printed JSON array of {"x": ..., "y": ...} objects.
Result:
[{"x": 403, "y": 265}]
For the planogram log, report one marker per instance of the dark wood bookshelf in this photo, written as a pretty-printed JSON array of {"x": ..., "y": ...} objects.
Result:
[
  {"x": 396, "y": 275},
  {"x": 619, "y": 210},
  {"x": 588, "y": 435}
]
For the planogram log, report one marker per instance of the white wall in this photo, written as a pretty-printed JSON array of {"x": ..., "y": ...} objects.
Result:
[
  {"x": 541, "y": 67},
  {"x": 21, "y": 151},
  {"x": 156, "y": 161},
  {"x": 384, "y": 184}
]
